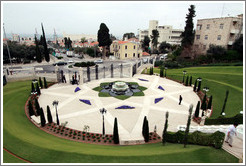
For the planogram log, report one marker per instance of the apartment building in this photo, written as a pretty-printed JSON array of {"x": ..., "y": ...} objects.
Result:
[
  {"x": 218, "y": 31},
  {"x": 166, "y": 33},
  {"x": 126, "y": 49},
  {"x": 77, "y": 37}
]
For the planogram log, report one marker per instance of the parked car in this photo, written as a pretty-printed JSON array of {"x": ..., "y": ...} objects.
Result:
[
  {"x": 70, "y": 61},
  {"x": 60, "y": 63},
  {"x": 98, "y": 61}
]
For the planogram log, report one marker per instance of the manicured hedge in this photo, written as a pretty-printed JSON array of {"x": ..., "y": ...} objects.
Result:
[
  {"x": 223, "y": 120},
  {"x": 84, "y": 64},
  {"x": 198, "y": 138}
]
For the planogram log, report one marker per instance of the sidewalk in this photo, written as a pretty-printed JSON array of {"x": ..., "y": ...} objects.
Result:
[{"x": 236, "y": 149}]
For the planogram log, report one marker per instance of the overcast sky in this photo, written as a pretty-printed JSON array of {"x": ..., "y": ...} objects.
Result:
[{"x": 120, "y": 17}]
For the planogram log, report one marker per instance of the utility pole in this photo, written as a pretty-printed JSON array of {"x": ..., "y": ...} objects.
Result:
[{"x": 8, "y": 48}]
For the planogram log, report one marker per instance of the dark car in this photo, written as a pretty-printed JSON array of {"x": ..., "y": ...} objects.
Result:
[{"x": 60, "y": 63}]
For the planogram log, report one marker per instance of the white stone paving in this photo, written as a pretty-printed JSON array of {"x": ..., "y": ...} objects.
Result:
[{"x": 78, "y": 114}]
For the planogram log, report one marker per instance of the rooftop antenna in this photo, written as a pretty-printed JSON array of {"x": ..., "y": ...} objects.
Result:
[
  {"x": 222, "y": 9},
  {"x": 7, "y": 47}
]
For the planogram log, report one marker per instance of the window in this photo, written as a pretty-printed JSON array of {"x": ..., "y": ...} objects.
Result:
[
  {"x": 208, "y": 26},
  {"x": 134, "y": 47},
  {"x": 221, "y": 26},
  {"x": 199, "y": 26},
  {"x": 219, "y": 37},
  {"x": 133, "y": 54},
  {"x": 204, "y": 47},
  {"x": 197, "y": 37},
  {"x": 206, "y": 37},
  {"x": 125, "y": 54},
  {"x": 126, "y": 47}
]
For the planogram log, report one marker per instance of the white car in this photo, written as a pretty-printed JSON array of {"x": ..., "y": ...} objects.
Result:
[
  {"x": 98, "y": 61},
  {"x": 70, "y": 61}
]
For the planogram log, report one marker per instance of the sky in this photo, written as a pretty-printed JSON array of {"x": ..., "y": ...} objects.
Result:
[{"x": 85, "y": 17}]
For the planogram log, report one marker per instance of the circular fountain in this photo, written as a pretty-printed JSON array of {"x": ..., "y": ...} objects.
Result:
[{"x": 120, "y": 87}]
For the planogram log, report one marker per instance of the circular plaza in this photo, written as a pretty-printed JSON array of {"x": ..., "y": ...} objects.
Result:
[{"x": 161, "y": 95}]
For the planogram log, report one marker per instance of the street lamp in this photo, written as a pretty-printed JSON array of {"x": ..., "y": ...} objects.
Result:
[
  {"x": 184, "y": 72},
  {"x": 55, "y": 104},
  {"x": 206, "y": 89},
  {"x": 103, "y": 111},
  {"x": 199, "y": 79}
]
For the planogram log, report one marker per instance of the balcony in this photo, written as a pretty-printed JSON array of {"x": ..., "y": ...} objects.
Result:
[
  {"x": 230, "y": 42},
  {"x": 234, "y": 31}
]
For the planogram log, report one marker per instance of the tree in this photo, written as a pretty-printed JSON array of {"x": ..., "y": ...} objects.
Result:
[
  {"x": 187, "y": 126},
  {"x": 199, "y": 86},
  {"x": 38, "y": 90},
  {"x": 65, "y": 42},
  {"x": 40, "y": 82},
  {"x": 223, "y": 108},
  {"x": 164, "y": 46},
  {"x": 190, "y": 83},
  {"x": 69, "y": 43},
  {"x": 187, "y": 80},
  {"x": 145, "y": 43},
  {"x": 45, "y": 83},
  {"x": 154, "y": 37},
  {"x": 161, "y": 71},
  {"x": 33, "y": 89},
  {"x": 30, "y": 108},
  {"x": 103, "y": 38},
  {"x": 210, "y": 102},
  {"x": 217, "y": 52},
  {"x": 46, "y": 51},
  {"x": 146, "y": 131},
  {"x": 49, "y": 116},
  {"x": 164, "y": 133},
  {"x": 37, "y": 107},
  {"x": 188, "y": 34},
  {"x": 144, "y": 123},
  {"x": 129, "y": 35},
  {"x": 197, "y": 109},
  {"x": 38, "y": 52},
  {"x": 194, "y": 88},
  {"x": 83, "y": 40},
  {"x": 116, "y": 134},
  {"x": 238, "y": 46},
  {"x": 42, "y": 118}
]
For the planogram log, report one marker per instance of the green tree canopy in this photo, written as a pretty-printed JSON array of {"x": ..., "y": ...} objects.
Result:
[
  {"x": 46, "y": 51},
  {"x": 164, "y": 46},
  {"x": 145, "y": 43},
  {"x": 129, "y": 35}
]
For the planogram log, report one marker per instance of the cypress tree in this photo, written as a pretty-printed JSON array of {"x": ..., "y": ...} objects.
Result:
[
  {"x": 197, "y": 109},
  {"x": 40, "y": 82},
  {"x": 204, "y": 104},
  {"x": 164, "y": 133},
  {"x": 42, "y": 118},
  {"x": 37, "y": 107},
  {"x": 199, "y": 86},
  {"x": 194, "y": 88},
  {"x": 187, "y": 80},
  {"x": 33, "y": 89},
  {"x": 116, "y": 133},
  {"x": 49, "y": 116},
  {"x": 30, "y": 108},
  {"x": 38, "y": 52},
  {"x": 37, "y": 89},
  {"x": 146, "y": 131},
  {"x": 161, "y": 72},
  {"x": 210, "y": 102},
  {"x": 187, "y": 126},
  {"x": 144, "y": 123},
  {"x": 46, "y": 51},
  {"x": 103, "y": 38},
  {"x": 165, "y": 73},
  {"x": 45, "y": 83},
  {"x": 190, "y": 81},
  {"x": 223, "y": 108}
]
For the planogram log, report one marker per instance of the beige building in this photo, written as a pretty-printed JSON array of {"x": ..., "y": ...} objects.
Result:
[
  {"x": 126, "y": 49},
  {"x": 166, "y": 33},
  {"x": 77, "y": 37},
  {"x": 218, "y": 31}
]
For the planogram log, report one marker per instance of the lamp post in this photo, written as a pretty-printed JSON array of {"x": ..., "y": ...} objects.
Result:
[
  {"x": 103, "y": 111},
  {"x": 206, "y": 89},
  {"x": 55, "y": 104},
  {"x": 199, "y": 79},
  {"x": 184, "y": 72}
]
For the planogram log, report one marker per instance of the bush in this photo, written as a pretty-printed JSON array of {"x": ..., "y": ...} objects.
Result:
[
  {"x": 223, "y": 120},
  {"x": 197, "y": 138},
  {"x": 84, "y": 64}
]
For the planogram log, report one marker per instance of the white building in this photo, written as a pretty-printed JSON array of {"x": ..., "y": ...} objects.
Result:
[
  {"x": 77, "y": 37},
  {"x": 166, "y": 33}
]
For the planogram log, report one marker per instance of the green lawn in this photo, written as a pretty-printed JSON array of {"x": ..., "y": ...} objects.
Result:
[
  {"x": 24, "y": 139},
  {"x": 218, "y": 79},
  {"x": 9, "y": 158}
]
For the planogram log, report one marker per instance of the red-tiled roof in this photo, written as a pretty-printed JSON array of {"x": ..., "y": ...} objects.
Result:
[
  {"x": 146, "y": 54},
  {"x": 122, "y": 42}
]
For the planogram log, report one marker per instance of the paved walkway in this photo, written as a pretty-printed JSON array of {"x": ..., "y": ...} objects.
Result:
[
  {"x": 130, "y": 121},
  {"x": 236, "y": 149}
]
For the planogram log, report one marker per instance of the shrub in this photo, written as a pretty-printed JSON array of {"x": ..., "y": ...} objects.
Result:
[
  {"x": 84, "y": 64},
  {"x": 50, "y": 120},
  {"x": 45, "y": 83},
  {"x": 30, "y": 108},
  {"x": 37, "y": 107},
  {"x": 42, "y": 118},
  {"x": 40, "y": 82},
  {"x": 161, "y": 72},
  {"x": 223, "y": 120}
]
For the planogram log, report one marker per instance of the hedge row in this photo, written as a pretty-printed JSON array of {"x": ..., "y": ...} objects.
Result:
[
  {"x": 223, "y": 120},
  {"x": 84, "y": 64},
  {"x": 198, "y": 138}
]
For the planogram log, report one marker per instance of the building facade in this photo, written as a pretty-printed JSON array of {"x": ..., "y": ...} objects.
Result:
[
  {"x": 217, "y": 31},
  {"x": 126, "y": 49},
  {"x": 166, "y": 33},
  {"x": 77, "y": 37}
]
